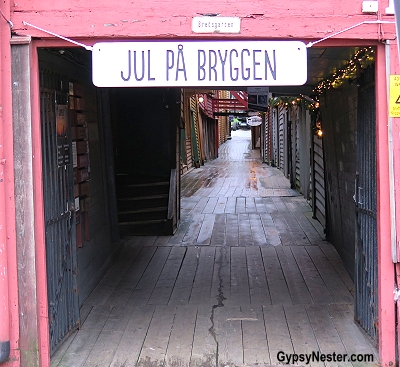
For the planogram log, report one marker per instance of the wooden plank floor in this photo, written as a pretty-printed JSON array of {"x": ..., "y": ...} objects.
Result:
[{"x": 247, "y": 275}]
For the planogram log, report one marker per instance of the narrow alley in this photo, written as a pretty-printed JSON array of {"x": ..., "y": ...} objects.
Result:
[{"x": 248, "y": 274}]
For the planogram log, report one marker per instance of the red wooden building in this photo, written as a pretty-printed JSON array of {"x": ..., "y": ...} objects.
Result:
[{"x": 46, "y": 80}]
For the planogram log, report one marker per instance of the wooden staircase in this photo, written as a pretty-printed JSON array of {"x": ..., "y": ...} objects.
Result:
[{"x": 143, "y": 205}]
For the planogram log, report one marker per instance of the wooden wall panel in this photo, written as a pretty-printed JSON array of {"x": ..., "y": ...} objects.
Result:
[{"x": 161, "y": 18}]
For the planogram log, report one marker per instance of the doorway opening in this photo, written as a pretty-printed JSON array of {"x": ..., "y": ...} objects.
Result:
[{"x": 237, "y": 219}]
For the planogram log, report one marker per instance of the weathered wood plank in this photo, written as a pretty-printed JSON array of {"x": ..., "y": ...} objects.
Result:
[
  {"x": 260, "y": 207},
  {"x": 255, "y": 344},
  {"x": 220, "y": 206},
  {"x": 180, "y": 344},
  {"x": 230, "y": 207},
  {"x": 148, "y": 241},
  {"x": 317, "y": 225},
  {"x": 147, "y": 282},
  {"x": 204, "y": 351},
  {"x": 325, "y": 332},
  {"x": 291, "y": 207},
  {"x": 318, "y": 290},
  {"x": 132, "y": 240},
  {"x": 280, "y": 205},
  {"x": 278, "y": 289},
  {"x": 310, "y": 231},
  {"x": 297, "y": 232},
  {"x": 193, "y": 230},
  {"x": 163, "y": 241},
  {"x": 201, "y": 204},
  {"x": 183, "y": 286},
  {"x": 240, "y": 205},
  {"x": 278, "y": 335},
  {"x": 106, "y": 288},
  {"x": 334, "y": 283},
  {"x": 353, "y": 339},
  {"x": 240, "y": 292},
  {"x": 177, "y": 238},
  {"x": 131, "y": 343},
  {"x": 230, "y": 194},
  {"x": 188, "y": 203},
  {"x": 155, "y": 345},
  {"x": 257, "y": 230},
  {"x": 232, "y": 230},
  {"x": 299, "y": 292},
  {"x": 166, "y": 281},
  {"x": 85, "y": 339},
  {"x": 245, "y": 237},
  {"x": 209, "y": 208},
  {"x": 270, "y": 205},
  {"x": 218, "y": 236},
  {"x": 109, "y": 338},
  {"x": 221, "y": 281},
  {"x": 301, "y": 332},
  {"x": 283, "y": 229},
  {"x": 229, "y": 335},
  {"x": 238, "y": 192},
  {"x": 206, "y": 229},
  {"x": 250, "y": 205},
  {"x": 337, "y": 263},
  {"x": 201, "y": 291},
  {"x": 259, "y": 292},
  {"x": 271, "y": 234},
  {"x": 126, "y": 286}
]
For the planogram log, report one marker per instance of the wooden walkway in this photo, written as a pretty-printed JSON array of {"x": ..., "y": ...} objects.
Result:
[{"x": 247, "y": 275}]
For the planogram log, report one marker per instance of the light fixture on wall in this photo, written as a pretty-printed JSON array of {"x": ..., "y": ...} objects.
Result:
[
  {"x": 201, "y": 99},
  {"x": 318, "y": 130}
]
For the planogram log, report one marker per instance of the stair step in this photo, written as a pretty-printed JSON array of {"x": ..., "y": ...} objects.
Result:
[
  {"x": 143, "y": 214},
  {"x": 144, "y": 210},
  {"x": 144, "y": 197},
  {"x": 133, "y": 179},
  {"x": 147, "y": 184},
  {"x": 143, "y": 189},
  {"x": 141, "y": 202},
  {"x": 148, "y": 227}
]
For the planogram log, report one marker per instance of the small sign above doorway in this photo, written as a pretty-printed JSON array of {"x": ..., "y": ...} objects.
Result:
[{"x": 209, "y": 24}]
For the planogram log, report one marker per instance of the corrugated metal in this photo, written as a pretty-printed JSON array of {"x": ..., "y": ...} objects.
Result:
[
  {"x": 186, "y": 143},
  {"x": 281, "y": 139},
  {"x": 366, "y": 303},
  {"x": 194, "y": 118},
  {"x": 297, "y": 145},
  {"x": 188, "y": 146},
  {"x": 275, "y": 137},
  {"x": 59, "y": 216},
  {"x": 267, "y": 153},
  {"x": 319, "y": 181}
]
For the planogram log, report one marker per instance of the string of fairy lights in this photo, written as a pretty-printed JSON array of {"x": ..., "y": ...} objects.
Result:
[
  {"x": 351, "y": 71},
  {"x": 363, "y": 58}
]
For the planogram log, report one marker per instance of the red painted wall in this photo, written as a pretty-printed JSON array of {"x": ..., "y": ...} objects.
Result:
[
  {"x": 296, "y": 19},
  {"x": 166, "y": 19}
]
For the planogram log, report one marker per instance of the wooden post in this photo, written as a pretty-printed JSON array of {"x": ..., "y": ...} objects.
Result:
[
  {"x": 30, "y": 266},
  {"x": 386, "y": 311}
]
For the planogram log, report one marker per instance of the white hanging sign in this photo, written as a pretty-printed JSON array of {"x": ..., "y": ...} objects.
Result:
[
  {"x": 254, "y": 121},
  {"x": 209, "y": 24},
  {"x": 199, "y": 63}
]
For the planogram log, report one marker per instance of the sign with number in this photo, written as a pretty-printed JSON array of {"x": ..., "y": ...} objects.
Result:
[{"x": 394, "y": 99}]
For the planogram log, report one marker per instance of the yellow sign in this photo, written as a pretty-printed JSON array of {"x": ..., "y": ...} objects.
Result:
[{"x": 394, "y": 100}]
